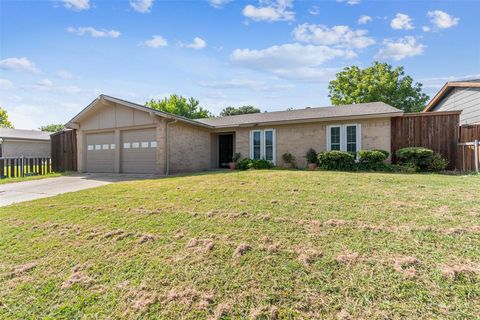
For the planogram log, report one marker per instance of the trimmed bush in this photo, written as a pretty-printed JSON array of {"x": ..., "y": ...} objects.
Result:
[
  {"x": 262, "y": 164},
  {"x": 371, "y": 156},
  {"x": 336, "y": 160},
  {"x": 288, "y": 157},
  {"x": 385, "y": 152},
  {"x": 244, "y": 164},
  {"x": 422, "y": 159}
]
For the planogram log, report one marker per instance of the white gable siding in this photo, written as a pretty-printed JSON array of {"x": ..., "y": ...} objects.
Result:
[{"x": 465, "y": 99}]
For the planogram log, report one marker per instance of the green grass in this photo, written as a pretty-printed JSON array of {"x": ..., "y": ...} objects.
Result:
[
  {"x": 28, "y": 178},
  {"x": 321, "y": 245}
]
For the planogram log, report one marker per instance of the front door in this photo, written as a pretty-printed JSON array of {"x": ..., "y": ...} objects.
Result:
[{"x": 225, "y": 149}]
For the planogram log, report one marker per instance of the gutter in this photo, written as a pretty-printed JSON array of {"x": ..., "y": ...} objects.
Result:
[{"x": 167, "y": 147}]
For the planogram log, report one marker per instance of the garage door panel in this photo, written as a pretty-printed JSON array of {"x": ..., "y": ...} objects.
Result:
[
  {"x": 100, "y": 152},
  {"x": 139, "y": 152}
]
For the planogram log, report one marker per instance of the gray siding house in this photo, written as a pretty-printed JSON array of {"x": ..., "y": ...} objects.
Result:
[
  {"x": 26, "y": 143},
  {"x": 459, "y": 96}
]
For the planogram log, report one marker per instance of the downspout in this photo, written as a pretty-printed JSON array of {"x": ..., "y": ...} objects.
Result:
[{"x": 167, "y": 149}]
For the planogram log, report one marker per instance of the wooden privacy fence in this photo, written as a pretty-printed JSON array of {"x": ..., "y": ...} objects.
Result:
[
  {"x": 468, "y": 148},
  {"x": 11, "y": 167},
  {"x": 434, "y": 130},
  {"x": 64, "y": 151}
]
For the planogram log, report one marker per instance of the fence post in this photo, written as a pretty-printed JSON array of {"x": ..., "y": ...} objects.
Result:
[
  {"x": 476, "y": 155},
  {"x": 22, "y": 168}
]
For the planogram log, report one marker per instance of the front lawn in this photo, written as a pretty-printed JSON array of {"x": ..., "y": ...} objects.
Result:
[{"x": 255, "y": 244}]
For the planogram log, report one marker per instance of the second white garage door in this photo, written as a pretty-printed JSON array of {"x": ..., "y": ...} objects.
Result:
[{"x": 139, "y": 151}]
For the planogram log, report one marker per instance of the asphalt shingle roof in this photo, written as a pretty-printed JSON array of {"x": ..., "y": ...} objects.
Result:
[
  {"x": 352, "y": 110},
  {"x": 7, "y": 133}
]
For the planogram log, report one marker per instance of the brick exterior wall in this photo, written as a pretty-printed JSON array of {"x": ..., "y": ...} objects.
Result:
[{"x": 298, "y": 138}]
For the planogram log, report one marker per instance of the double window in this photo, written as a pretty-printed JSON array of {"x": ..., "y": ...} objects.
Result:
[
  {"x": 346, "y": 137},
  {"x": 262, "y": 144}
]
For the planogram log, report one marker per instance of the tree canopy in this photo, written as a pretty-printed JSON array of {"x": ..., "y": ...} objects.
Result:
[
  {"x": 4, "y": 122},
  {"x": 52, "y": 127},
  {"x": 181, "y": 106},
  {"x": 379, "y": 82},
  {"x": 232, "y": 111}
]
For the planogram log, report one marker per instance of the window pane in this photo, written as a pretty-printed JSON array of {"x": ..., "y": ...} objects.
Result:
[
  {"x": 256, "y": 145},
  {"x": 112, "y": 146},
  {"x": 351, "y": 139},
  {"x": 153, "y": 144},
  {"x": 335, "y": 138},
  {"x": 126, "y": 145},
  {"x": 135, "y": 145},
  {"x": 104, "y": 146},
  {"x": 145, "y": 144},
  {"x": 269, "y": 145},
  {"x": 98, "y": 147},
  {"x": 90, "y": 147}
]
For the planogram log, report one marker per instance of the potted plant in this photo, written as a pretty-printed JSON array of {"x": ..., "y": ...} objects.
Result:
[
  {"x": 289, "y": 159},
  {"x": 312, "y": 160},
  {"x": 233, "y": 165}
]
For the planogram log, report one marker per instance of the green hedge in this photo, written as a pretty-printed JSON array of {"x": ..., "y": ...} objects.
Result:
[{"x": 336, "y": 160}]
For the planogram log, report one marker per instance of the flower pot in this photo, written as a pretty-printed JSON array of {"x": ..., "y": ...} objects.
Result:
[
  {"x": 312, "y": 166},
  {"x": 232, "y": 165},
  {"x": 289, "y": 165}
]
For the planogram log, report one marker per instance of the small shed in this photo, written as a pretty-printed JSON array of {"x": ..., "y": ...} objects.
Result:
[{"x": 24, "y": 143}]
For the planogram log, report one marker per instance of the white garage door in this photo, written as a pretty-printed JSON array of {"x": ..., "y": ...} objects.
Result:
[
  {"x": 100, "y": 152},
  {"x": 139, "y": 151}
]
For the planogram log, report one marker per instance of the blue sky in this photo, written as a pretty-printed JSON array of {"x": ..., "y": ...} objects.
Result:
[{"x": 57, "y": 56}]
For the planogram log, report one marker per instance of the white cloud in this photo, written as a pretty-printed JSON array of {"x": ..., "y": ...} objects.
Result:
[
  {"x": 442, "y": 19},
  {"x": 104, "y": 33},
  {"x": 270, "y": 10},
  {"x": 197, "y": 44},
  {"x": 77, "y": 5},
  {"x": 350, "y": 2},
  {"x": 402, "y": 22},
  {"x": 314, "y": 11},
  {"x": 403, "y": 48},
  {"x": 6, "y": 84},
  {"x": 255, "y": 85},
  {"x": 19, "y": 64},
  {"x": 64, "y": 74},
  {"x": 364, "y": 19},
  {"x": 337, "y": 35},
  {"x": 142, "y": 6},
  {"x": 156, "y": 42},
  {"x": 45, "y": 83},
  {"x": 218, "y": 3},
  {"x": 290, "y": 61},
  {"x": 426, "y": 29}
]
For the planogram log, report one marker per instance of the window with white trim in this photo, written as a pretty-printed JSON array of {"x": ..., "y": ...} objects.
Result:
[
  {"x": 104, "y": 146},
  {"x": 135, "y": 145},
  {"x": 90, "y": 147},
  {"x": 144, "y": 144},
  {"x": 98, "y": 147},
  {"x": 153, "y": 144},
  {"x": 126, "y": 145},
  {"x": 346, "y": 137},
  {"x": 262, "y": 144},
  {"x": 112, "y": 146}
]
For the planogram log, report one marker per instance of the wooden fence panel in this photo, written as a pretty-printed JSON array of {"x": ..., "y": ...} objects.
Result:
[
  {"x": 11, "y": 167},
  {"x": 469, "y": 133},
  {"x": 434, "y": 130},
  {"x": 64, "y": 151}
]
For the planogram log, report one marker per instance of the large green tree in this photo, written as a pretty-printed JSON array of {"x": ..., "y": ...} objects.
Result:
[
  {"x": 232, "y": 111},
  {"x": 4, "y": 122},
  {"x": 379, "y": 82},
  {"x": 180, "y": 106},
  {"x": 52, "y": 127}
]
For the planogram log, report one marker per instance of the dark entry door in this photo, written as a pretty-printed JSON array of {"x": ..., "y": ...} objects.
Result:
[{"x": 225, "y": 149}]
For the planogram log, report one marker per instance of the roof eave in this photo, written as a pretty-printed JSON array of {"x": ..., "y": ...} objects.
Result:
[
  {"x": 309, "y": 120},
  {"x": 444, "y": 91}
]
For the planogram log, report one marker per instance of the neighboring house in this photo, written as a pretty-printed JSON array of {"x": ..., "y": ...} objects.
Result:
[
  {"x": 459, "y": 96},
  {"x": 27, "y": 143},
  {"x": 114, "y": 135}
]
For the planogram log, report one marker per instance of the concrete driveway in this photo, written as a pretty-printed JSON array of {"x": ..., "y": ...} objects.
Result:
[{"x": 36, "y": 189}]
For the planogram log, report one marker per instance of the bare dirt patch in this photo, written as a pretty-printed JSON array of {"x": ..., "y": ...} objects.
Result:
[
  {"x": 241, "y": 250},
  {"x": 265, "y": 312},
  {"x": 348, "y": 257},
  {"x": 309, "y": 256},
  {"x": 221, "y": 310},
  {"x": 22, "y": 269},
  {"x": 455, "y": 270},
  {"x": 406, "y": 265},
  {"x": 145, "y": 238}
]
